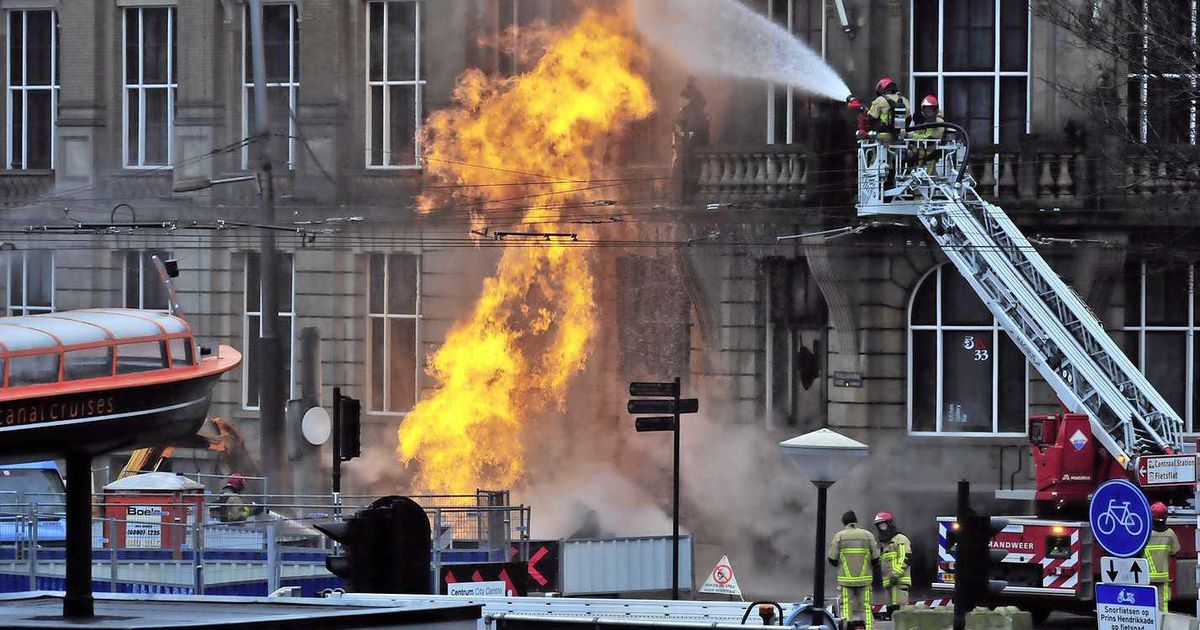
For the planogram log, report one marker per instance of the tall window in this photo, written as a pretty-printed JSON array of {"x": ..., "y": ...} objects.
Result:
[
  {"x": 965, "y": 376},
  {"x": 1161, "y": 321},
  {"x": 281, "y": 34},
  {"x": 394, "y": 83},
  {"x": 149, "y": 94},
  {"x": 787, "y": 109},
  {"x": 974, "y": 55},
  {"x": 32, "y": 73},
  {"x": 394, "y": 328},
  {"x": 1162, "y": 70},
  {"x": 30, "y": 276},
  {"x": 252, "y": 326},
  {"x": 142, "y": 287}
]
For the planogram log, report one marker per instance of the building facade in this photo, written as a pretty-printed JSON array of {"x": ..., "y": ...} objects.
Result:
[{"x": 109, "y": 105}]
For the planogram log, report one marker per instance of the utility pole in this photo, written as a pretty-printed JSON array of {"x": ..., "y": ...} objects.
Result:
[{"x": 270, "y": 386}]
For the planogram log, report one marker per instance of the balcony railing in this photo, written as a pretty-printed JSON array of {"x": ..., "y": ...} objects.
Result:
[{"x": 767, "y": 175}]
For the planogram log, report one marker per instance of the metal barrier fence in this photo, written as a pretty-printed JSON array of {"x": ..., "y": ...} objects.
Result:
[{"x": 142, "y": 543}]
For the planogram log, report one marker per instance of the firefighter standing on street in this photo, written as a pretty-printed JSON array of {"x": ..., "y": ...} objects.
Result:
[
  {"x": 1163, "y": 544},
  {"x": 855, "y": 553},
  {"x": 895, "y": 560},
  {"x": 233, "y": 507}
]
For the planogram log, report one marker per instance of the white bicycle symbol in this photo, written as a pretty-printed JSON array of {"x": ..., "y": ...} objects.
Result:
[{"x": 1115, "y": 515}]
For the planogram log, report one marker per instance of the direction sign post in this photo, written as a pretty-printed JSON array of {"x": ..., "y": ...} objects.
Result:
[
  {"x": 1120, "y": 517},
  {"x": 662, "y": 399},
  {"x": 1126, "y": 607}
]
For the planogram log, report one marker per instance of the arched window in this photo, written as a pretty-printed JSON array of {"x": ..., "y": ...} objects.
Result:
[{"x": 965, "y": 376}]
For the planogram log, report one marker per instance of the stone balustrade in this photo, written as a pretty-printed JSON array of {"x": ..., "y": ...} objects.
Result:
[
  {"x": 770, "y": 175},
  {"x": 20, "y": 186}
]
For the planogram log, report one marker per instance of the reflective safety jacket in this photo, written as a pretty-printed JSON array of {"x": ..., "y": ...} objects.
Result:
[
  {"x": 883, "y": 111},
  {"x": 1159, "y": 549},
  {"x": 896, "y": 558},
  {"x": 854, "y": 549}
]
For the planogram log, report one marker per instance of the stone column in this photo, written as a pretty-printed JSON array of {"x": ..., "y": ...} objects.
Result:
[
  {"x": 83, "y": 110},
  {"x": 327, "y": 72},
  {"x": 200, "y": 59}
]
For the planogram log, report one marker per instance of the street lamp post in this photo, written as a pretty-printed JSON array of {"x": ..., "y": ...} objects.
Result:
[{"x": 824, "y": 457}]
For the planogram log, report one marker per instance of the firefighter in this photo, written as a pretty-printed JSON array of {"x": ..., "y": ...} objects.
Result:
[
  {"x": 926, "y": 152},
  {"x": 1161, "y": 547},
  {"x": 888, "y": 113},
  {"x": 855, "y": 553},
  {"x": 233, "y": 507},
  {"x": 895, "y": 560}
]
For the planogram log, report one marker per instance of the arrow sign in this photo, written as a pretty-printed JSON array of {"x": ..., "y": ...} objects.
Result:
[
  {"x": 657, "y": 406},
  {"x": 1166, "y": 470},
  {"x": 654, "y": 390},
  {"x": 1125, "y": 571}
]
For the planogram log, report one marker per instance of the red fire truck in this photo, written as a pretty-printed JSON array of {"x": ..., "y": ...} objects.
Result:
[{"x": 1114, "y": 419}]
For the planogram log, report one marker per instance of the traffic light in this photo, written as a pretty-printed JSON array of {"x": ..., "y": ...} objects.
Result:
[
  {"x": 975, "y": 560},
  {"x": 386, "y": 548},
  {"x": 351, "y": 425}
]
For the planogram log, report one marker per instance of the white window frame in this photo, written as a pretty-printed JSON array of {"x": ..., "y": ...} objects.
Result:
[
  {"x": 1144, "y": 78},
  {"x": 23, "y": 308},
  {"x": 142, "y": 270},
  {"x": 418, "y": 84},
  {"x": 938, "y": 328},
  {"x": 247, "y": 338},
  {"x": 22, "y": 91},
  {"x": 1141, "y": 328},
  {"x": 790, "y": 132},
  {"x": 385, "y": 348},
  {"x": 292, "y": 84},
  {"x": 995, "y": 74},
  {"x": 140, "y": 87}
]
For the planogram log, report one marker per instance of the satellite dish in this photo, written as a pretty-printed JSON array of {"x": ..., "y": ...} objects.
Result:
[{"x": 316, "y": 426}]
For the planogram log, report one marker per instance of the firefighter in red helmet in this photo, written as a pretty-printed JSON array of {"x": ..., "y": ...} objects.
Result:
[
  {"x": 929, "y": 113},
  {"x": 895, "y": 560},
  {"x": 889, "y": 111},
  {"x": 233, "y": 507},
  {"x": 1161, "y": 547}
]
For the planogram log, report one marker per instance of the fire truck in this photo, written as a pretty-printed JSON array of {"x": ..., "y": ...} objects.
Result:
[{"x": 1112, "y": 420}]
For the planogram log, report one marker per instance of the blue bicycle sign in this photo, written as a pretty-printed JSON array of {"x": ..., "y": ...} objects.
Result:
[{"x": 1120, "y": 517}]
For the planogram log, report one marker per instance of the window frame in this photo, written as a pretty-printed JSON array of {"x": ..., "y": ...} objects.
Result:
[
  {"x": 1189, "y": 330},
  {"x": 292, "y": 84},
  {"x": 789, "y": 135},
  {"x": 418, "y": 84},
  {"x": 995, "y": 74},
  {"x": 1145, "y": 77},
  {"x": 387, "y": 318},
  {"x": 141, "y": 87},
  {"x": 23, "y": 308},
  {"x": 938, "y": 328},
  {"x": 24, "y": 88},
  {"x": 289, "y": 316}
]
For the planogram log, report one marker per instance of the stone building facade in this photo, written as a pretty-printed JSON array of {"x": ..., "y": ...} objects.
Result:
[{"x": 109, "y": 104}]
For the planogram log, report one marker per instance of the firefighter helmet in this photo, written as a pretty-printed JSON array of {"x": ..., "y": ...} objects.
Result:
[
  {"x": 929, "y": 101},
  {"x": 883, "y": 517},
  {"x": 884, "y": 85},
  {"x": 236, "y": 481},
  {"x": 1158, "y": 511}
]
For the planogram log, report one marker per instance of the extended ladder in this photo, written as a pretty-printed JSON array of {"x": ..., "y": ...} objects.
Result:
[{"x": 1046, "y": 319}]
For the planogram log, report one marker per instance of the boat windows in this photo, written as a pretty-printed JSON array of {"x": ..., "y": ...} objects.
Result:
[
  {"x": 141, "y": 357},
  {"x": 87, "y": 363},
  {"x": 35, "y": 369},
  {"x": 182, "y": 354}
]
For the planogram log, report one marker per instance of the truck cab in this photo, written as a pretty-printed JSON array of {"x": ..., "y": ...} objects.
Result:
[{"x": 28, "y": 491}]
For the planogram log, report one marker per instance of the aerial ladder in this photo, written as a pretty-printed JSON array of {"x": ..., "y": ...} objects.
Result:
[{"x": 1059, "y": 335}]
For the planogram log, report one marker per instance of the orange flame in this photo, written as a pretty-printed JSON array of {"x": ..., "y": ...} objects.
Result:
[{"x": 530, "y": 332}]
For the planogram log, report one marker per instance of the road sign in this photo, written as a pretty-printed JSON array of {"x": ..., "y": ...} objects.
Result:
[
  {"x": 663, "y": 405},
  {"x": 721, "y": 580},
  {"x": 1124, "y": 607},
  {"x": 661, "y": 390},
  {"x": 1167, "y": 470},
  {"x": 1120, "y": 518},
  {"x": 655, "y": 423},
  {"x": 1124, "y": 571}
]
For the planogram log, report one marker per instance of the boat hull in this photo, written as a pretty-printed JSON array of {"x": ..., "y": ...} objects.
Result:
[{"x": 94, "y": 422}]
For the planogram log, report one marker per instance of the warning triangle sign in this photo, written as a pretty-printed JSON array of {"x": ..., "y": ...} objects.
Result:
[{"x": 721, "y": 580}]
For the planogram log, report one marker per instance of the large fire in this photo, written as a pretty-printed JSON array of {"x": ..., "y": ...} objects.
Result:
[{"x": 531, "y": 330}]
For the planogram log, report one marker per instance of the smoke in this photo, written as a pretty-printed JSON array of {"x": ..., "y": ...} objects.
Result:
[{"x": 725, "y": 37}]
